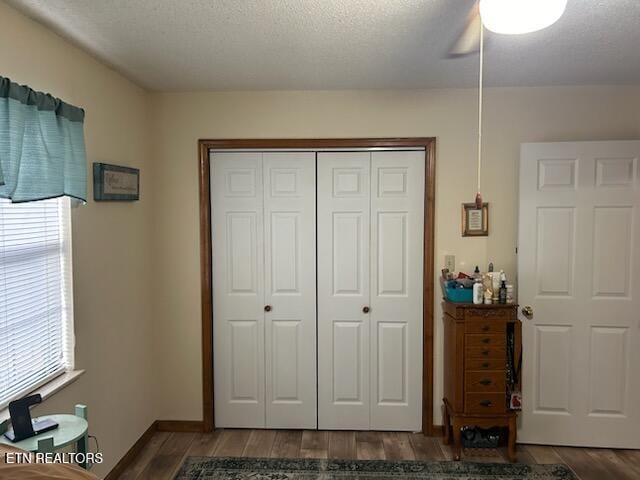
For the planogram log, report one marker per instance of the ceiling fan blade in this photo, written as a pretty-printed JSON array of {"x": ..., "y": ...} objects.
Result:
[{"x": 469, "y": 40}]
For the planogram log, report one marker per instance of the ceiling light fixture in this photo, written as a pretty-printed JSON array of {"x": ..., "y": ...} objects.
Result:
[{"x": 520, "y": 16}]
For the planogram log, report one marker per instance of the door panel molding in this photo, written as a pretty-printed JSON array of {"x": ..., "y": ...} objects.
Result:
[{"x": 391, "y": 185}]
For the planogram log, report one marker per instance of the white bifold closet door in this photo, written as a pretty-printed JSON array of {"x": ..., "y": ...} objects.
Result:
[
  {"x": 370, "y": 289},
  {"x": 264, "y": 289}
]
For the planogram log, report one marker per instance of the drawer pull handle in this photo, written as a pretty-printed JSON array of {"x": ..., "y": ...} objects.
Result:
[
  {"x": 485, "y": 365},
  {"x": 485, "y": 403},
  {"x": 485, "y": 352},
  {"x": 486, "y": 328},
  {"x": 486, "y": 340},
  {"x": 485, "y": 381}
]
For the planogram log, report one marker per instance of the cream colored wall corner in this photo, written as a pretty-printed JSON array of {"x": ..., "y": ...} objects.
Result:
[
  {"x": 513, "y": 115},
  {"x": 111, "y": 253}
]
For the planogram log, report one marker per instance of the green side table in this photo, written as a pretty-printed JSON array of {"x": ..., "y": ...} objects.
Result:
[{"x": 71, "y": 429}]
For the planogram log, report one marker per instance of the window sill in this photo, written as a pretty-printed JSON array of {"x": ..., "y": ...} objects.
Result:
[{"x": 49, "y": 388}]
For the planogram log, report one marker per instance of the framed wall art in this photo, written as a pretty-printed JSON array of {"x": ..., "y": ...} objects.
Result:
[
  {"x": 113, "y": 183},
  {"x": 475, "y": 221}
]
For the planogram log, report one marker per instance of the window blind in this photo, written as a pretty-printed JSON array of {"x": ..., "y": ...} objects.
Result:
[{"x": 36, "y": 307}]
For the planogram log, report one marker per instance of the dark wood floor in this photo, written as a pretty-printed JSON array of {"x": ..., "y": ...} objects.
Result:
[{"x": 163, "y": 456}]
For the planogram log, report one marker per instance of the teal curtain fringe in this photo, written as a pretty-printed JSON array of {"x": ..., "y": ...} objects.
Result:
[{"x": 42, "y": 150}]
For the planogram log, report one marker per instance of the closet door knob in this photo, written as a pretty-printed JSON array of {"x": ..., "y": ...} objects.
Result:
[
  {"x": 365, "y": 309},
  {"x": 267, "y": 308}
]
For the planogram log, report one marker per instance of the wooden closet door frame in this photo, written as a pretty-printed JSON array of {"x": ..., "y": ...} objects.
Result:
[{"x": 204, "y": 146}]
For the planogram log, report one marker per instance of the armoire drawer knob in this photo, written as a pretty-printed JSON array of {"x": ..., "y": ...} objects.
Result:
[
  {"x": 485, "y": 403},
  {"x": 486, "y": 340},
  {"x": 365, "y": 309},
  {"x": 267, "y": 308},
  {"x": 485, "y": 328},
  {"x": 485, "y": 381}
]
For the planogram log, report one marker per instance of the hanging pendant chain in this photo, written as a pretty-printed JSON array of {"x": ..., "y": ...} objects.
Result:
[{"x": 480, "y": 102}]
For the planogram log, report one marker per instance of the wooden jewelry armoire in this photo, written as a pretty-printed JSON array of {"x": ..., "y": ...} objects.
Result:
[{"x": 476, "y": 376}]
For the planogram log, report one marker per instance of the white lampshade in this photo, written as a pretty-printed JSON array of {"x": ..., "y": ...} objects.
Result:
[{"x": 520, "y": 16}]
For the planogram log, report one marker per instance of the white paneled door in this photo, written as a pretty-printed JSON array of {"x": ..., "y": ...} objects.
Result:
[
  {"x": 237, "y": 233},
  {"x": 264, "y": 294},
  {"x": 362, "y": 367},
  {"x": 370, "y": 257},
  {"x": 397, "y": 232},
  {"x": 578, "y": 265},
  {"x": 343, "y": 290},
  {"x": 290, "y": 289}
]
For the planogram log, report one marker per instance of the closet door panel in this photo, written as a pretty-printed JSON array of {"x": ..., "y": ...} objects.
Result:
[
  {"x": 238, "y": 289},
  {"x": 343, "y": 290},
  {"x": 397, "y": 233},
  {"x": 290, "y": 289}
]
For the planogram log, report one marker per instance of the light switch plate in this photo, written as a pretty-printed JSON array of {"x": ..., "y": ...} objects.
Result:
[{"x": 450, "y": 262}]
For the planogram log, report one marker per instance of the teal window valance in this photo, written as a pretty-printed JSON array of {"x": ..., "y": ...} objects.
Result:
[{"x": 42, "y": 151}]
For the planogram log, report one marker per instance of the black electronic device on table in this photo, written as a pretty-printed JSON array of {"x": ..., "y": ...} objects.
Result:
[{"x": 22, "y": 425}]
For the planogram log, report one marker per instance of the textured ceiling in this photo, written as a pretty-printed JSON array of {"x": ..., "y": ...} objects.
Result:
[{"x": 172, "y": 45}]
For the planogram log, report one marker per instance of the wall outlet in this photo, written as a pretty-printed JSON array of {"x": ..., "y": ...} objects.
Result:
[{"x": 450, "y": 262}]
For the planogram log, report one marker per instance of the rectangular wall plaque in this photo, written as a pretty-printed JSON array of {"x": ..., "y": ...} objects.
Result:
[
  {"x": 115, "y": 183},
  {"x": 475, "y": 221}
]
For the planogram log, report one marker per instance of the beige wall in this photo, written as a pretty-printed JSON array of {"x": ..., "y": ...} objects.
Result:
[
  {"x": 513, "y": 116},
  {"x": 111, "y": 253}
]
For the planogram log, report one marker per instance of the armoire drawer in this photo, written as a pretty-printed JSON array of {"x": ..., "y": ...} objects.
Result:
[
  {"x": 473, "y": 314},
  {"x": 495, "y": 351},
  {"x": 490, "y": 381},
  {"x": 485, "y": 363},
  {"x": 485, "y": 403},
  {"x": 485, "y": 326},
  {"x": 482, "y": 340}
]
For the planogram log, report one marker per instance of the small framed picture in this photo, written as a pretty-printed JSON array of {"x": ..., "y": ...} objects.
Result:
[
  {"x": 475, "y": 221},
  {"x": 113, "y": 183}
]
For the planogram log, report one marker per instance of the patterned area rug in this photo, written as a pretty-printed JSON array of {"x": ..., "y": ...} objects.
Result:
[{"x": 207, "y": 468}]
